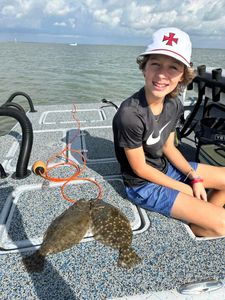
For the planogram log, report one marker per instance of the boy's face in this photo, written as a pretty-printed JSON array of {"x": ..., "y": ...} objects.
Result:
[{"x": 162, "y": 74}]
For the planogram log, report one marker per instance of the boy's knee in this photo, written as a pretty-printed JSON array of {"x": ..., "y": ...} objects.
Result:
[{"x": 219, "y": 228}]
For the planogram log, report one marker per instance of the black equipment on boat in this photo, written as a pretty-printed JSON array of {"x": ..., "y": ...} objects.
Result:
[
  {"x": 110, "y": 103},
  {"x": 2, "y": 172},
  {"x": 204, "y": 80},
  {"x": 10, "y": 99},
  {"x": 209, "y": 126},
  {"x": 16, "y": 105},
  {"x": 212, "y": 129},
  {"x": 27, "y": 139}
]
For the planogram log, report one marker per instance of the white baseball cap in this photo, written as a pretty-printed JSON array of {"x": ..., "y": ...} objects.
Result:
[{"x": 171, "y": 42}]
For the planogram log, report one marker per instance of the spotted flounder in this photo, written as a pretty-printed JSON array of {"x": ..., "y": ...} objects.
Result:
[
  {"x": 108, "y": 224},
  {"x": 112, "y": 228}
]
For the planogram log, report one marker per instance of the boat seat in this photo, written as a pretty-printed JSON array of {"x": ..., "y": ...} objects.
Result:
[
  {"x": 210, "y": 135},
  {"x": 210, "y": 85}
]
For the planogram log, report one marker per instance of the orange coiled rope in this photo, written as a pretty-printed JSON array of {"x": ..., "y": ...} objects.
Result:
[{"x": 63, "y": 155}]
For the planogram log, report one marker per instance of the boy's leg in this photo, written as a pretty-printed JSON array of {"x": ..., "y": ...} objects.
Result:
[
  {"x": 204, "y": 218},
  {"x": 217, "y": 197},
  {"x": 214, "y": 178}
]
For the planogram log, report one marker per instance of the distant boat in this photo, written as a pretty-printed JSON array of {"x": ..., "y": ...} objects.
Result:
[{"x": 74, "y": 44}]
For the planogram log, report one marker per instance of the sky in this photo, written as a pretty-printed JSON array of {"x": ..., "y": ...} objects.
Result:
[{"x": 123, "y": 22}]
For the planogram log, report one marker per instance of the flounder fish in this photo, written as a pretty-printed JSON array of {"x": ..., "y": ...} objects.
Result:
[
  {"x": 108, "y": 224},
  {"x": 112, "y": 228}
]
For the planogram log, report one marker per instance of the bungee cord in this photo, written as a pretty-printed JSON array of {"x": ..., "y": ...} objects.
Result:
[{"x": 44, "y": 170}]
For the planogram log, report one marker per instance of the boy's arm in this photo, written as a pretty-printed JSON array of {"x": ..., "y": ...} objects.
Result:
[{"x": 139, "y": 166}]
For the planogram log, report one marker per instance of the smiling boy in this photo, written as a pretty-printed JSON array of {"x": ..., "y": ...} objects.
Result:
[{"x": 156, "y": 175}]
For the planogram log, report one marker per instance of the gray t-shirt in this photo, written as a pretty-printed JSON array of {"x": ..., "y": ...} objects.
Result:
[{"x": 134, "y": 125}]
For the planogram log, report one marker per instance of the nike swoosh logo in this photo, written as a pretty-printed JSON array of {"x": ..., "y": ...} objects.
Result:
[{"x": 151, "y": 140}]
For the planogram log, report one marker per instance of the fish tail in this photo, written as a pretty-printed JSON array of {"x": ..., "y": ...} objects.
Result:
[
  {"x": 128, "y": 258},
  {"x": 34, "y": 263}
]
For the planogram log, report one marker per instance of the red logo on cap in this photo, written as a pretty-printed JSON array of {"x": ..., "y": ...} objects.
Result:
[{"x": 170, "y": 39}]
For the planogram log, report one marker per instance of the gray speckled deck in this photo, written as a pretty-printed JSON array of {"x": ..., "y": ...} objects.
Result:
[{"x": 89, "y": 271}]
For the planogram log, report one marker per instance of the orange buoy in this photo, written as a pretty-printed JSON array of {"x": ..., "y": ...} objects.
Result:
[{"x": 39, "y": 167}]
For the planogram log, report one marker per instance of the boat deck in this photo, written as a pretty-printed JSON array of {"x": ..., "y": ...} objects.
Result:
[{"x": 171, "y": 255}]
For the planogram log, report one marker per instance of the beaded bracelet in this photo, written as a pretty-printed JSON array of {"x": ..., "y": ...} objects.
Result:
[
  {"x": 188, "y": 174},
  {"x": 196, "y": 180}
]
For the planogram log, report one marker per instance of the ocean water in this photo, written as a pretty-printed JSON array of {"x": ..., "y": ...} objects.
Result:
[{"x": 60, "y": 73}]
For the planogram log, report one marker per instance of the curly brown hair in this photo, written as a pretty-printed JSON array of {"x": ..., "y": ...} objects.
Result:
[{"x": 188, "y": 76}]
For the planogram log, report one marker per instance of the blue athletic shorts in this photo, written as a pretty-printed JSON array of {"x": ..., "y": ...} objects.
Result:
[{"x": 155, "y": 197}]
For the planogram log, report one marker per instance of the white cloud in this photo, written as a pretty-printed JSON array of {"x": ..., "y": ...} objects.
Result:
[
  {"x": 144, "y": 16},
  {"x": 139, "y": 17},
  {"x": 106, "y": 17},
  {"x": 61, "y": 24},
  {"x": 18, "y": 8},
  {"x": 57, "y": 7},
  {"x": 8, "y": 10},
  {"x": 72, "y": 22},
  {"x": 119, "y": 18}
]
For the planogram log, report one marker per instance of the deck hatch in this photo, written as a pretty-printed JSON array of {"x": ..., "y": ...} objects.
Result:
[
  {"x": 66, "y": 117},
  {"x": 98, "y": 149},
  {"x": 97, "y": 143},
  {"x": 30, "y": 209}
]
